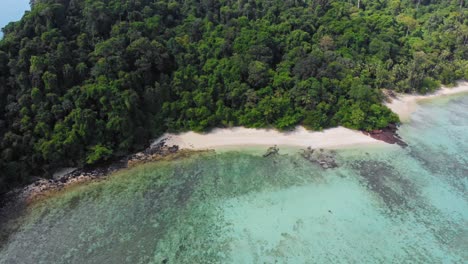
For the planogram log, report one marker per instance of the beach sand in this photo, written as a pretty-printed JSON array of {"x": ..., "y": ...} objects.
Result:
[
  {"x": 405, "y": 104},
  {"x": 339, "y": 137},
  {"x": 242, "y": 137}
]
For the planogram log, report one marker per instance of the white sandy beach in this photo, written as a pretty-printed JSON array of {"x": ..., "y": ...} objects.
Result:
[
  {"x": 240, "y": 136},
  {"x": 405, "y": 104},
  {"x": 339, "y": 137}
]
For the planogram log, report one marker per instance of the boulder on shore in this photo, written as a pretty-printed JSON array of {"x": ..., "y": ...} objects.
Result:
[
  {"x": 388, "y": 134},
  {"x": 68, "y": 176}
]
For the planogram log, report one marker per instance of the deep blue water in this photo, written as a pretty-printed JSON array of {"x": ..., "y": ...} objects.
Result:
[{"x": 12, "y": 10}]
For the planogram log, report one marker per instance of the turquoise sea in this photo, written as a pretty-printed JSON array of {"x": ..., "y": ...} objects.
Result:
[{"x": 381, "y": 205}]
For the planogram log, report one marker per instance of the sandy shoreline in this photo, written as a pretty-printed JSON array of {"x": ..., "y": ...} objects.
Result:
[
  {"x": 234, "y": 138},
  {"x": 406, "y": 104},
  {"x": 242, "y": 137},
  {"x": 339, "y": 137},
  {"x": 223, "y": 139}
]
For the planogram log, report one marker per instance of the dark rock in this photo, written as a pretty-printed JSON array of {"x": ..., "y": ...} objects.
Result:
[
  {"x": 173, "y": 149},
  {"x": 388, "y": 135},
  {"x": 40, "y": 186},
  {"x": 271, "y": 151},
  {"x": 325, "y": 158}
]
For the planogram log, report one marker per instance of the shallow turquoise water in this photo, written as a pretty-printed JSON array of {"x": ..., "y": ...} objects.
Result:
[{"x": 381, "y": 205}]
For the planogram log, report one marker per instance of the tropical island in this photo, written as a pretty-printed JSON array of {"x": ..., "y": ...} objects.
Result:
[
  {"x": 87, "y": 81},
  {"x": 247, "y": 131}
]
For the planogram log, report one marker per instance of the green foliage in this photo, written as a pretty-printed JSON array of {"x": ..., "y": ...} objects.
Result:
[
  {"x": 98, "y": 153},
  {"x": 88, "y": 80}
]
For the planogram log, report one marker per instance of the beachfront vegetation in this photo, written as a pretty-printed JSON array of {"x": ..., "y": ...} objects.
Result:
[{"x": 82, "y": 81}]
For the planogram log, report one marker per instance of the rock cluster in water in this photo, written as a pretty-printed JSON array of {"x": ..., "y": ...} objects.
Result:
[
  {"x": 325, "y": 158},
  {"x": 41, "y": 185},
  {"x": 271, "y": 151}
]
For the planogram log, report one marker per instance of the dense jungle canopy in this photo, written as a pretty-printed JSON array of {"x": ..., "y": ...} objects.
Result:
[{"x": 84, "y": 81}]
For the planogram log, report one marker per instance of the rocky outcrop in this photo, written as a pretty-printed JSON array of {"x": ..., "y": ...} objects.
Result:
[
  {"x": 152, "y": 153},
  {"x": 271, "y": 151},
  {"x": 388, "y": 135},
  {"x": 389, "y": 95},
  {"x": 324, "y": 158},
  {"x": 63, "y": 178}
]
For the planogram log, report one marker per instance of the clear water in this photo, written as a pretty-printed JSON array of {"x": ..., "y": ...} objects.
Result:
[{"x": 381, "y": 205}]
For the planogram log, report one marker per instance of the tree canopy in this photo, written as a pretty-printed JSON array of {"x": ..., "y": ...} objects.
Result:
[{"x": 83, "y": 81}]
